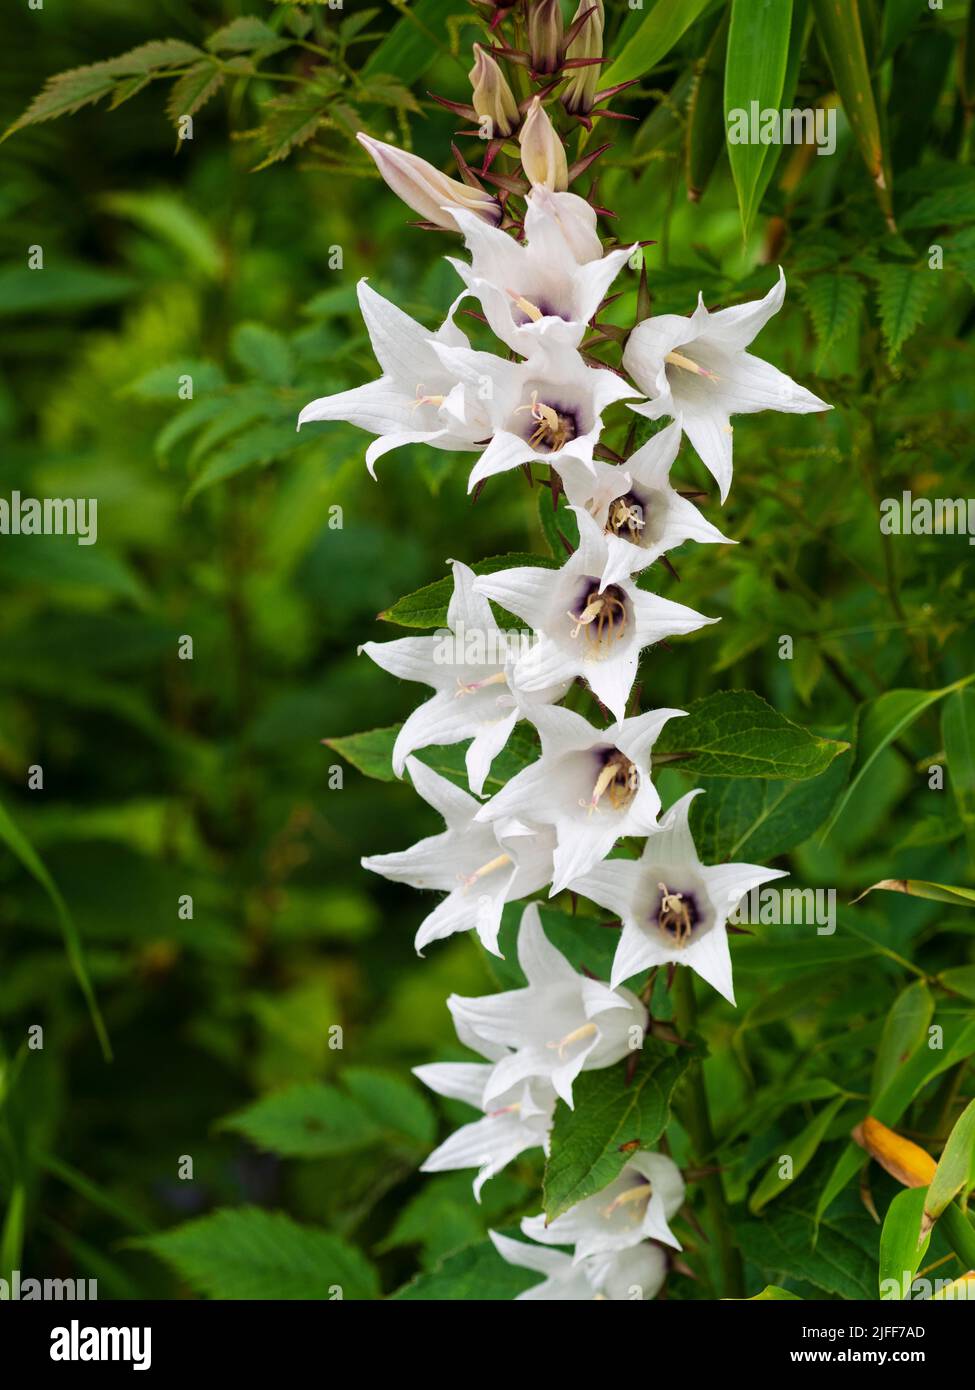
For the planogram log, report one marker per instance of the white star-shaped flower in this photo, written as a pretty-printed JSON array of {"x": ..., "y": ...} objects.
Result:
[
  {"x": 540, "y": 292},
  {"x": 416, "y": 400},
  {"x": 540, "y": 410},
  {"x": 636, "y": 1274},
  {"x": 585, "y": 627},
  {"x": 513, "y": 1122},
  {"x": 592, "y": 785},
  {"x": 673, "y": 908},
  {"x": 637, "y": 1206},
  {"x": 468, "y": 667},
  {"x": 560, "y": 1025},
  {"x": 641, "y": 514},
  {"x": 697, "y": 370},
  {"x": 479, "y": 867}
]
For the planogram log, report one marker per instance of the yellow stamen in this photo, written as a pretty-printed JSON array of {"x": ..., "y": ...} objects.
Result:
[
  {"x": 625, "y": 516},
  {"x": 677, "y": 359},
  {"x": 586, "y": 1031},
  {"x": 641, "y": 1193},
  {"x": 674, "y": 912},
  {"x": 468, "y": 880},
  {"x": 527, "y": 307},
  {"x": 607, "y": 612},
  {"x": 426, "y": 400}
]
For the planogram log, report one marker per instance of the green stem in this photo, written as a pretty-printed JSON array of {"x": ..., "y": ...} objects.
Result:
[{"x": 697, "y": 1120}]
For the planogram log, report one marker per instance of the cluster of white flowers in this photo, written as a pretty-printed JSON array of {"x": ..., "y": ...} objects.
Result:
[{"x": 540, "y": 284}]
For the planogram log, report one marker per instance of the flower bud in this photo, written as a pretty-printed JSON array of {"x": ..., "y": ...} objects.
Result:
[
  {"x": 545, "y": 35},
  {"x": 425, "y": 189},
  {"x": 493, "y": 99},
  {"x": 577, "y": 98},
  {"x": 542, "y": 152}
]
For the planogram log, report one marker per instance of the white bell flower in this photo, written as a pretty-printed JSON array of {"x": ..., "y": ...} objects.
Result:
[
  {"x": 512, "y": 1123},
  {"x": 636, "y": 1274},
  {"x": 636, "y": 1206},
  {"x": 696, "y": 369},
  {"x": 539, "y": 293},
  {"x": 479, "y": 867},
  {"x": 585, "y": 627},
  {"x": 641, "y": 514},
  {"x": 468, "y": 667},
  {"x": 549, "y": 406},
  {"x": 561, "y": 1024},
  {"x": 592, "y": 785},
  {"x": 673, "y": 908},
  {"x": 416, "y": 400}
]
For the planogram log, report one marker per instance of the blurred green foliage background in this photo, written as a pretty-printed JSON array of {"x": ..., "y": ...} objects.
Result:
[{"x": 164, "y": 777}]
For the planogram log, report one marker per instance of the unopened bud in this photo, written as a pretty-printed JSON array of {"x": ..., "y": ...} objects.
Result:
[
  {"x": 577, "y": 98},
  {"x": 542, "y": 152},
  {"x": 493, "y": 98},
  {"x": 545, "y": 35},
  {"x": 425, "y": 189}
]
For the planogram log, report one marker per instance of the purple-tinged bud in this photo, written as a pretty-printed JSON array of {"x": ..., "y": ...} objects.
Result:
[
  {"x": 493, "y": 99},
  {"x": 545, "y": 35},
  {"x": 425, "y": 189},
  {"x": 577, "y": 97},
  {"x": 542, "y": 152}
]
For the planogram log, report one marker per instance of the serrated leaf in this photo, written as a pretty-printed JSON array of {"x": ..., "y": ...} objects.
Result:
[
  {"x": 193, "y": 90},
  {"x": 735, "y": 733},
  {"x": 903, "y": 295},
  {"x": 244, "y": 35},
  {"x": 247, "y": 1253},
  {"x": 834, "y": 302},
  {"x": 290, "y": 122},
  {"x": 591, "y": 1144},
  {"x": 427, "y": 607},
  {"x": 67, "y": 92}
]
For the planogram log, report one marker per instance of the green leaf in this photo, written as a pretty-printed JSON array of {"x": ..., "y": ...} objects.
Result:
[
  {"x": 901, "y": 1246},
  {"x": 654, "y": 39},
  {"x": 193, "y": 90},
  {"x": 262, "y": 353},
  {"x": 758, "y": 48},
  {"x": 18, "y": 844},
  {"x": 371, "y": 753},
  {"x": 591, "y": 1144},
  {"x": 59, "y": 289},
  {"x": 771, "y": 1294},
  {"x": 244, "y": 35},
  {"x": 879, "y": 723},
  {"x": 748, "y": 818},
  {"x": 67, "y": 92},
  {"x": 919, "y": 888},
  {"x": 170, "y": 219},
  {"x": 958, "y": 733},
  {"x": 254, "y": 448},
  {"x": 960, "y": 979},
  {"x": 414, "y": 42},
  {"x": 247, "y": 1253},
  {"x": 801, "y": 1150},
  {"x": 841, "y": 40},
  {"x": 953, "y": 1173},
  {"x": 316, "y": 1120},
  {"x": 735, "y": 733},
  {"x": 476, "y": 1273},
  {"x": 905, "y": 1029},
  {"x": 163, "y": 383},
  {"x": 289, "y": 122},
  {"x": 705, "y": 113},
  {"x": 427, "y": 607},
  {"x": 837, "y": 1263},
  {"x": 903, "y": 295},
  {"x": 834, "y": 302}
]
